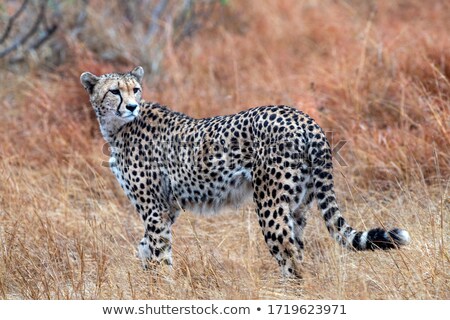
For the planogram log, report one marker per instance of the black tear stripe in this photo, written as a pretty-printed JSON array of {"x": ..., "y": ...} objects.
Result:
[
  {"x": 118, "y": 107},
  {"x": 121, "y": 99}
]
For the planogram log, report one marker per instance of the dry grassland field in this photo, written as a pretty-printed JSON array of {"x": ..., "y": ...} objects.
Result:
[{"x": 374, "y": 74}]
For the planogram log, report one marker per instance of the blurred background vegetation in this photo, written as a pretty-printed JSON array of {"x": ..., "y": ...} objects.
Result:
[{"x": 44, "y": 31}]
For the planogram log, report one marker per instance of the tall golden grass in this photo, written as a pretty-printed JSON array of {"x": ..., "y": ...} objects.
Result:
[{"x": 374, "y": 74}]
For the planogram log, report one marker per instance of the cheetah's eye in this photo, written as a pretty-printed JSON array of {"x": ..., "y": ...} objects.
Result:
[
  {"x": 115, "y": 91},
  {"x": 136, "y": 90}
]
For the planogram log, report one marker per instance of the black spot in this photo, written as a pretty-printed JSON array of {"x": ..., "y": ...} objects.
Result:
[
  {"x": 274, "y": 237},
  {"x": 356, "y": 243},
  {"x": 330, "y": 213},
  {"x": 323, "y": 175},
  {"x": 280, "y": 239},
  {"x": 275, "y": 214},
  {"x": 340, "y": 223}
]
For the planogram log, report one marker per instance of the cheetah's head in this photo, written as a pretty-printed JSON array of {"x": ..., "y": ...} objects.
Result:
[{"x": 115, "y": 97}]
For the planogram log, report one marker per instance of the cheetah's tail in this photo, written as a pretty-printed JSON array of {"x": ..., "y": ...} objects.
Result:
[
  {"x": 340, "y": 230},
  {"x": 372, "y": 239},
  {"x": 379, "y": 238}
]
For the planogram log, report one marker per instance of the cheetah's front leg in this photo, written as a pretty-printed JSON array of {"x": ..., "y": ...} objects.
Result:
[{"x": 156, "y": 245}]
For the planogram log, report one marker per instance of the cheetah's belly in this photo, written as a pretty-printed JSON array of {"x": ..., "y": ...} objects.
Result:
[{"x": 233, "y": 192}]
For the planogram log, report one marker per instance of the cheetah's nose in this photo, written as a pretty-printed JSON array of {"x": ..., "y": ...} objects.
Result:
[{"x": 131, "y": 106}]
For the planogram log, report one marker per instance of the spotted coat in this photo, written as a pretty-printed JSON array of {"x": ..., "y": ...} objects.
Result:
[{"x": 167, "y": 162}]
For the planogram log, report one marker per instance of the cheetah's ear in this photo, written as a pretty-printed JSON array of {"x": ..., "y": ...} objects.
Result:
[
  {"x": 88, "y": 80},
  {"x": 138, "y": 73}
]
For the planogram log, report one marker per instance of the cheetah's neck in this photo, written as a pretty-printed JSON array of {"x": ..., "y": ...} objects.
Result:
[{"x": 110, "y": 127}]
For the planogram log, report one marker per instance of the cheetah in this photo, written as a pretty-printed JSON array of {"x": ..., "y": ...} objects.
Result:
[{"x": 168, "y": 162}]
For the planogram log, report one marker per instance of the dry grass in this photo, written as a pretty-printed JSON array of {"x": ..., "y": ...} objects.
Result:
[{"x": 378, "y": 79}]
